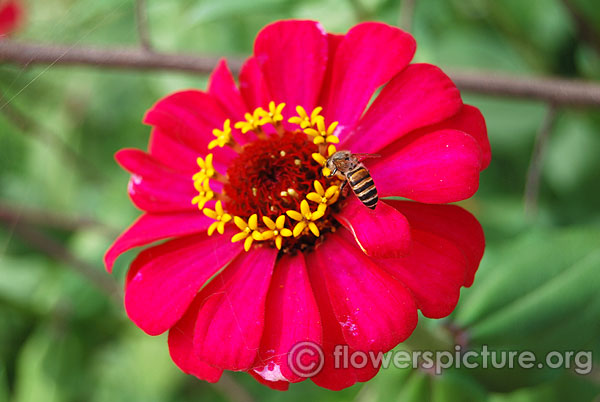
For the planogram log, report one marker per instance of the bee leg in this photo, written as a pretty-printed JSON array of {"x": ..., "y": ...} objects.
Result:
[{"x": 344, "y": 187}]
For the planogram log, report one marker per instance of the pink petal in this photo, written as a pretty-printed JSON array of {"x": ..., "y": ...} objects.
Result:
[
  {"x": 333, "y": 375},
  {"x": 292, "y": 316},
  {"x": 451, "y": 222},
  {"x": 434, "y": 271},
  {"x": 163, "y": 280},
  {"x": 154, "y": 187},
  {"x": 230, "y": 323},
  {"x": 293, "y": 57},
  {"x": 222, "y": 87},
  {"x": 468, "y": 120},
  {"x": 419, "y": 96},
  {"x": 383, "y": 232},
  {"x": 172, "y": 153},
  {"x": 253, "y": 86},
  {"x": 333, "y": 42},
  {"x": 181, "y": 346},
  {"x": 439, "y": 167},
  {"x": 376, "y": 311},
  {"x": 370, "y": 54},
  {"x": 149, "y": 228},
  {"x": 189, "y": 117}
]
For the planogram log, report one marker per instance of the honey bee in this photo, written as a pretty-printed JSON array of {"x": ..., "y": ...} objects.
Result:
[{"x": 348, "y": 167}]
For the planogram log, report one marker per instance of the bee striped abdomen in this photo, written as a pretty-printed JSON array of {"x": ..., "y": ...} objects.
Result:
[{"x": 363, "y": 186}]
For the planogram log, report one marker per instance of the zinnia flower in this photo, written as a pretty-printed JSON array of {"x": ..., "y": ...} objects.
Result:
[{"x": 265, "y": 250}]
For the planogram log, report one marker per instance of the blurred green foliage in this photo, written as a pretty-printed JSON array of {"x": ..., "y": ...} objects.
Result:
[{"x": 63, "y": 338}]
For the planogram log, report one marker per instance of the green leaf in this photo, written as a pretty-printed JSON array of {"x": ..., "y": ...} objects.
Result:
[
  {"x": 416, "y": 388},
  {"x": 537, "y": 311},
  {"x": 33, "y": 382},
  {"x": 452, "y": 386},
  {"x": 539, "y": 295},
  {"x": 4, "y": 394},
  {"x": 136, "y": 367},
  {"x": 526, "y": 265}
]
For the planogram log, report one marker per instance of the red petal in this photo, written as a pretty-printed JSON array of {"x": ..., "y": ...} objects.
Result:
[
  {"x": 222, "y": 87},
  {"x": 439, "y": 167},
  {"x": 419, "y": 96},
  {"x": 390, "y": 239},
  {"x": 333, "y": 375},
  {"x": 468, "y": 120},
  {"x": 230, "y": 323},
  {"x": 181, "y": 346},
  {"x": 154, "y": 187},
  {"x": 370, "y": 54},
  {"x": 173, "y": 154},
  {"x": 450, "y": 222},
  {"x": 333, "y": 41},
  {"x": 163, "y": 280},
  {"x": 189, "y": 117},
  {"x": 253, "y": 86},
  {"x": 293, "y": 57},
  {"x": 376, "y": 311},
  {"x": 149, "y": 228},
  {"x": 292, "y": 316},
  {"x": 434, "y": 271}
]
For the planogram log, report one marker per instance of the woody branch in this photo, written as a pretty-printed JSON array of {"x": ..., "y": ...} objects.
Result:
[{"x": 554, "y": 90}]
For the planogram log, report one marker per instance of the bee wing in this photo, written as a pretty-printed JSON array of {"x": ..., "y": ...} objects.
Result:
[{"x": 361, "y": 157}]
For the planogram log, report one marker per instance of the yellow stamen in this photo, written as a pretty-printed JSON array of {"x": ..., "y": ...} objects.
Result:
[
  {"x": 323, "y": 197},
  {"x": 252, "y": 122},
  {"x": 248, "y": 230},
  {"x": 219, "y": 216},
  {"x": 205, "y": 193},
  {"x": 321, "y": 134},
  {"x": 207, "y": 171},
  {"x": 321, "y": 160},
  {"x": 303, "y": 119},
  {"x": 273, "y": 115},
  {"x": 223, "y": 136},
  {"x": 276, "y": 230},
  {"x": 305, "y": 218}
]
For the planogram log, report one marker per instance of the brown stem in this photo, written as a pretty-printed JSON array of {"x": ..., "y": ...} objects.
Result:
[
  {"x": 587, "y": 31},
  {"x": 534, "y": 173},
  {"x": 232, "y": 389},
  {"x": 19, "y": 213},
  {"x": 129, "y": 58},
  {"x": 141, "y": 22},
  {"x": 407, "y": 12},
  {"x": 46, "y": 244},
  {"x": 361, "y": 13},
  {"x": 554, "y": 90}
]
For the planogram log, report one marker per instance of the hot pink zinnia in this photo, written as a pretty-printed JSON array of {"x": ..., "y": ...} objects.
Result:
[{"x": 266, "y": 251}]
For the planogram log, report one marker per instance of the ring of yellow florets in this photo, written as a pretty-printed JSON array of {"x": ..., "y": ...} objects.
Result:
[{"x": 310, "y": 217}]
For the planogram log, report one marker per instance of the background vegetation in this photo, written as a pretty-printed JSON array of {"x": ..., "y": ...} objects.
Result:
[{"x": 63, "y": 333}]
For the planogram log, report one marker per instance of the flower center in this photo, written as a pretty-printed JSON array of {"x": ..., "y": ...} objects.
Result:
[
  {"x": 275, "y": 190},
  {"x": 272, "y": 176}
]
